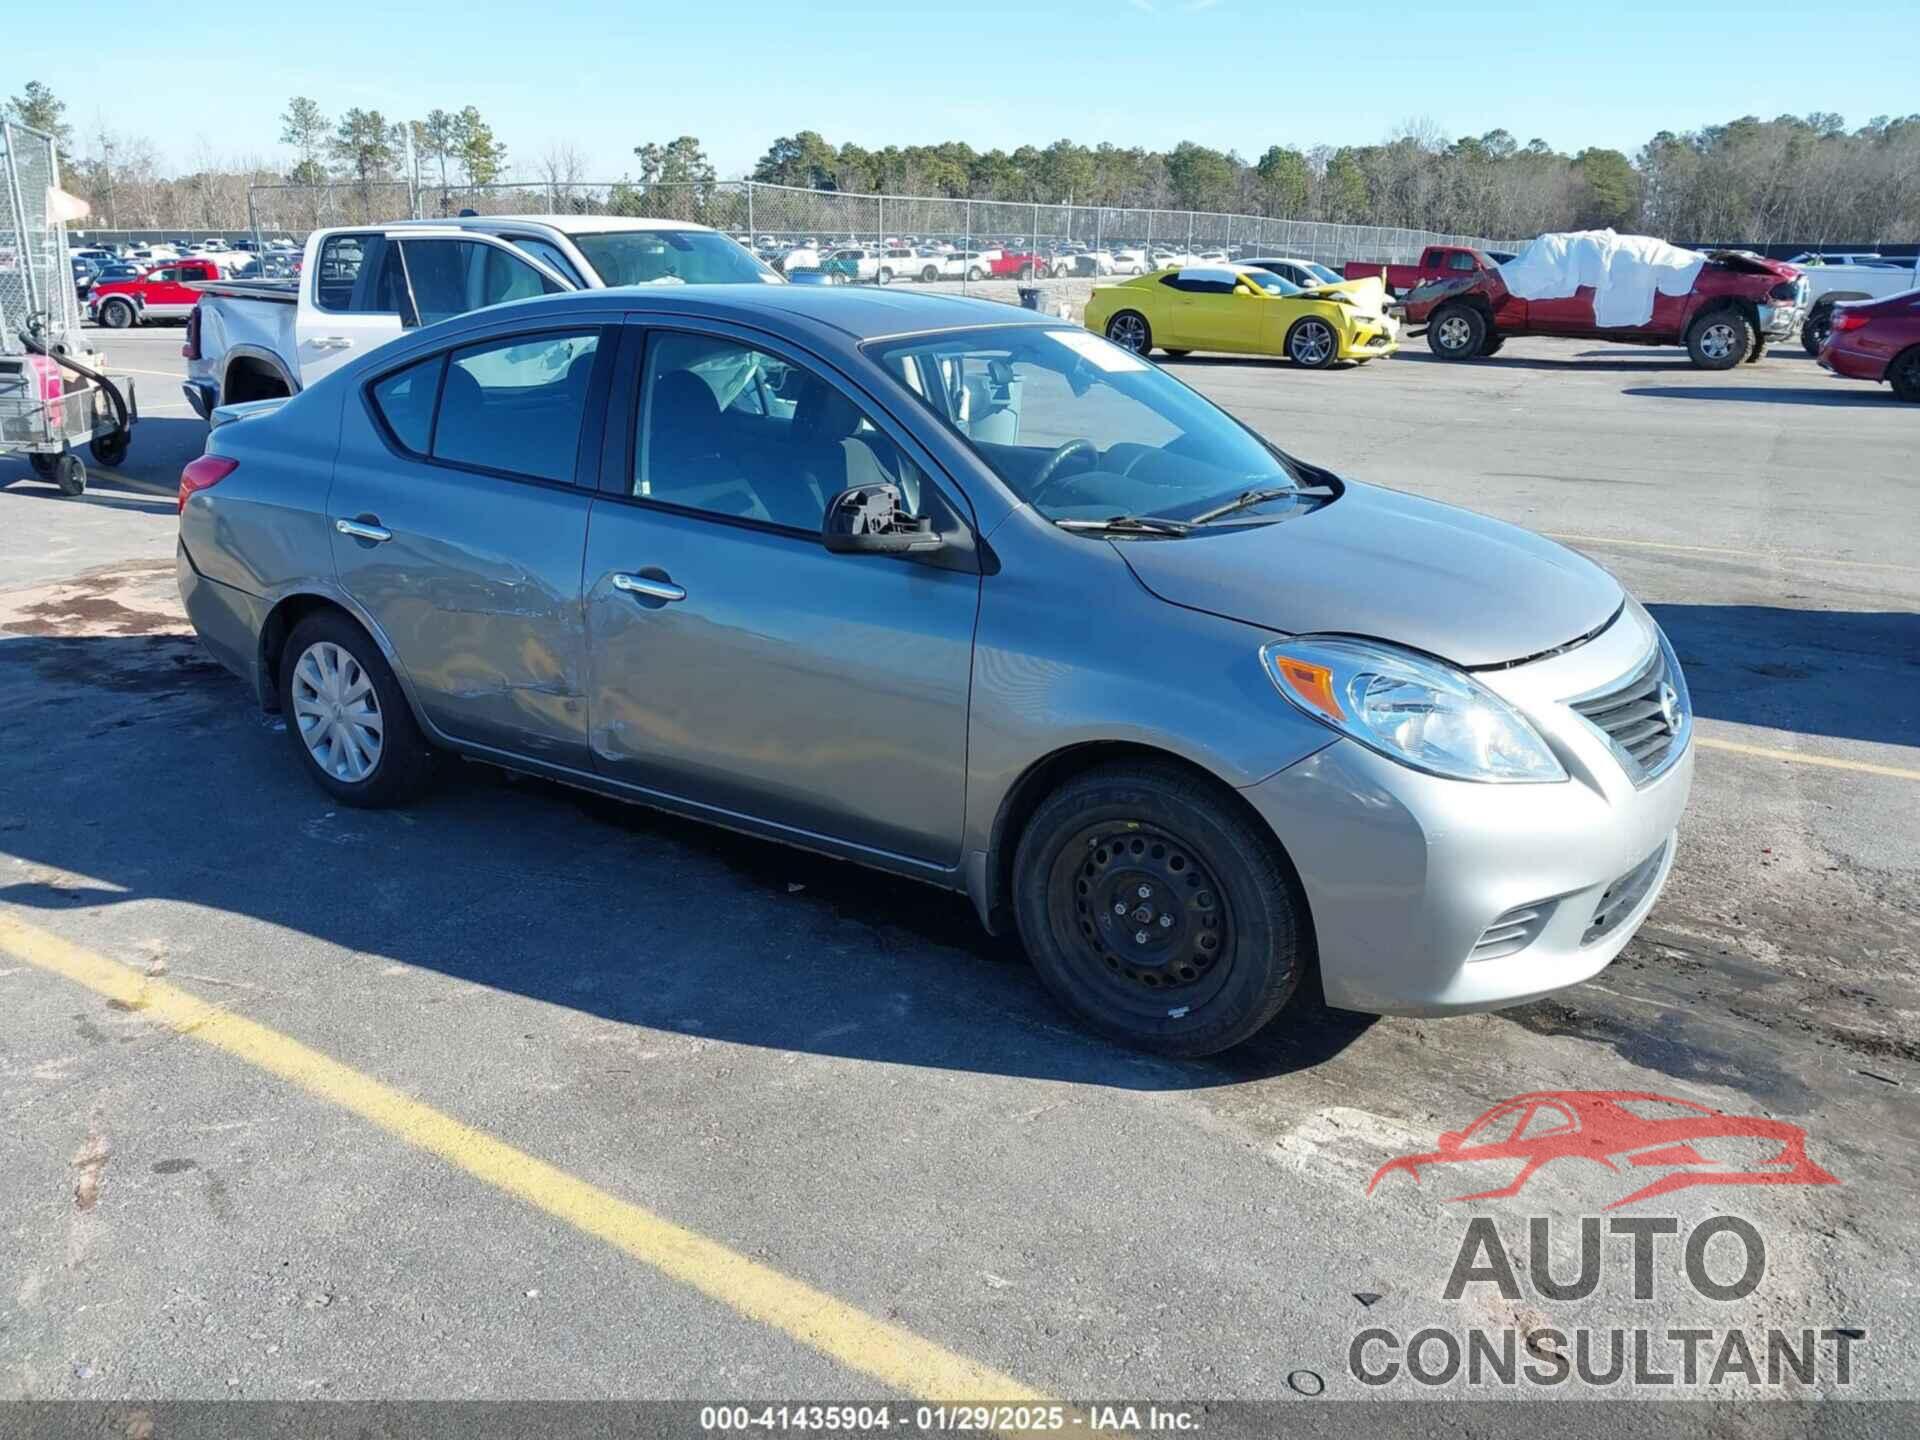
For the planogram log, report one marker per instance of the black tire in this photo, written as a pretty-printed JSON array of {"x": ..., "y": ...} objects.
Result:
[
  {"x": 42, "y": 464},
  {"x": 976, "y": 273},
  {"x": 1234, "y": 938},
  {"x": 111, "y": 448},
  {"x": 1759, "y": 350},
  {"x": 1456, "y": 332},
  {"x": 70, "y": 474},
  {"x": 1313, "y": 343},
  {"x": 1815, "y": 329},
  {"x": 1026, "y": 272},
  {"x": 930, "y": 274},
  {"x": 1491, "y": 345},
  {"x": 884, "y": 276},
  {"x": 1904, "y": 375},
  {"x": 404, "y": 764},
  {"x": 1720, "y": 339},
  {"x": 117, "y": 314}
]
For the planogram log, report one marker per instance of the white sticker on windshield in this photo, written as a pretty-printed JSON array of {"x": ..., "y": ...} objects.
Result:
[{"x": 1091, "y": 347}]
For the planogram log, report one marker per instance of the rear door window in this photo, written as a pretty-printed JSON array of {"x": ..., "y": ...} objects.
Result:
[
  {"x": 517, "y": 405},
  {"x": 453, "y": 277},
  {"x": 337, "y": 271}
]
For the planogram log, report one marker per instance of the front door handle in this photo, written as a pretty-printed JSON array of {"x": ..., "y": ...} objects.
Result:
[
  {"x": 648, "y": 586},
  {"x": 360, "y": 530}
]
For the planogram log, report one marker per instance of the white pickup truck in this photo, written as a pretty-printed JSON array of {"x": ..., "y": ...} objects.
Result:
[
  {"x": 1864, "y": 278},
  {"x": 359, "y": 287}
]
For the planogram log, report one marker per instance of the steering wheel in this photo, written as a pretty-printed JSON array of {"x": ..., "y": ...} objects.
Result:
[{"x": 1050, "y": 469}]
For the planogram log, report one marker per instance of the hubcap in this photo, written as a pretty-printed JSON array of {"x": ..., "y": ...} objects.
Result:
[
  {"x": 1312, "y": 344},
  {"x": 1129, "y": 332},
  {"x": 1142, "y": 916},
  {"x": 1455, "y": 333},
  {"x": 338, "y": 711},
  {"x": 1716, "y": 341}
]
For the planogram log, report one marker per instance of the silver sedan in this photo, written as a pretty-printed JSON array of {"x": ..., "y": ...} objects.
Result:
[{"x": 973, "y": 596}]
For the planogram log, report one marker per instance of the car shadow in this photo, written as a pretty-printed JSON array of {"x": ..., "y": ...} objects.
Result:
[
  {"x": 527, "y": 887},
  {"x": 1852, "y": 675},
  {"x": 1854, "y": 394},
  {"x": 1583, "y": 361}
]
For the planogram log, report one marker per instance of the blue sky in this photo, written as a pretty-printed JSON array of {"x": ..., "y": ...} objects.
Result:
[{"x": 1237, "y": 74}]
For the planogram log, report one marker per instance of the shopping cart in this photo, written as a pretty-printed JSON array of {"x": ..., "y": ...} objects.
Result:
[{"x": 54, "y": 391}]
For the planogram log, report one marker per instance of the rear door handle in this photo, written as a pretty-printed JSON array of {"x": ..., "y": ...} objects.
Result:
[
  {"x": 360, "y": 530},
  {"x": 648, "y": 586}
]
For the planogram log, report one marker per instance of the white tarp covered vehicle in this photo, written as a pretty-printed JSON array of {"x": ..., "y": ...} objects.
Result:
[{"x": 1624, "y": 271}]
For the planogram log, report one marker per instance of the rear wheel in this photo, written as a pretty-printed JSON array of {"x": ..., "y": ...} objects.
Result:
[
  {"x": 1758, "y": 352},
  {"x": 930, "y": 274},
  {"x": 974, "y": 272},
  {"x": 1720, "y": 339},
  {"x": 346, "y": 716},
  {"x": 1157, "y": 911},
  {"x": 1816, "y": 328},
  {"x": 1130, "y": 331},
  {"x": 1904, "y": 375},
  {"x": 884, "y": 276},
  {"x": 1312, "y": 343},
  {"x": 111, "y": 448},
  {"x": 117, "y": 314},
  {"x": 1457, "y": 332}
]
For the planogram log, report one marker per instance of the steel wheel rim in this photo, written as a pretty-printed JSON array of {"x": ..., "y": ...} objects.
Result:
[
  {"x": 1129, "y": 332},
  {"x": 1098, "y": 914},
  {"x": 1312, "y": 343},
  {"x": 1716, "y": 341},
  {"x": 1455, "y": 333},
  {"x": 337, "y": 711}
]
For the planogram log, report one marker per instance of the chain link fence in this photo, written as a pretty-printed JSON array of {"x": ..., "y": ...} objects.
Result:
[
  {"x": 36, "y": 278},
  {"x": 777, "y": 219}
]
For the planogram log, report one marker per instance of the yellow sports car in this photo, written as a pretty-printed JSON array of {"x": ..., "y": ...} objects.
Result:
[{"x": 1249, "y": 312}]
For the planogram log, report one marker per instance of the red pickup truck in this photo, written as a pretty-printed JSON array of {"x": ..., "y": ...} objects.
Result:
[
  {"x": 1738, "y": 302},
  {"x": 1437, "y": 262},
  {"x": 160, "y": 294},
  {"x": 1019, "y": 265}
]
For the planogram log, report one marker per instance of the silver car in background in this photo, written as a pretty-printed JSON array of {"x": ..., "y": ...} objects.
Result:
[{"x": 970, "y": 595}]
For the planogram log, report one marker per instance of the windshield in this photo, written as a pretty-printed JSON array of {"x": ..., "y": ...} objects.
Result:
[
  {"x": 1081, "y": 429},
  {"x": 669, "y": 257},
  {"x": 1332, "y": 277}
]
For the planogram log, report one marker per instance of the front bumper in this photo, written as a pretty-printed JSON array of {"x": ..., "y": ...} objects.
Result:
[
  {"x": 1779, "y": 322},
  {"x": 1369, "y": 338},
  {"x": 1406, "y": 873}
]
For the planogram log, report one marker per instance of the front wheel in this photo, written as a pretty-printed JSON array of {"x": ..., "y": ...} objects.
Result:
[
  {"x": 1130, "y": 331},
  {"x": 885, "y": 277},
  {"x": 1457, "y": 332},
  {"x": 1720, "y": 340},
  {"x": 1026, "y": 272},
  {"x": 930, "y": 274},
  {"x": 1157, "y": 911},
  {"x": 1815, "y": 330},
  {"x": 1904, "y": 375},
  {"x": 116, "y": 314},
  {"x": 1312, "y": 344},
  {"x": 70, "y": 474},
  {"x": 346, "y": 715},
  {"x": 1758, "y": 352},
  {"x": 976, "y": 273}
]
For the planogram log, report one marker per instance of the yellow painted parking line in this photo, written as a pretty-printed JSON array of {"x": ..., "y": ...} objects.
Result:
[
  {"x": 894, "y": 1356},
  {"x": 1800, "y": 757},
  {"x": 1722, "y": 550}
]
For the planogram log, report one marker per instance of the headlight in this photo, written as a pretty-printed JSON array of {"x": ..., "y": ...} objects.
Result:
[{"x": 1411, "y": 709}]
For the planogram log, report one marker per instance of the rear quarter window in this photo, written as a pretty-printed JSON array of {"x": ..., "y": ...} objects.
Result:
[{"x": 405, "y": 401}]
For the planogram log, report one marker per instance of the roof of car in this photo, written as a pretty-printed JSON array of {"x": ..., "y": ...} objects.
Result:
[
  {"x": 860, "y": 312},
  {"x": 566, "y": 224}
]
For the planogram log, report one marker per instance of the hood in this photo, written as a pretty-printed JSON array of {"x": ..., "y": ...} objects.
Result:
[
  {"x": 1753, "y": 264},
  {"x": 1393, "y": 567},
  {"x": 1368, "y": 295}
]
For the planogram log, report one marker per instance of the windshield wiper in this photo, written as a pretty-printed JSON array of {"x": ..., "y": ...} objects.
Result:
[
  {"x": 1247, "y": 499},
  {"x": 1129, "y": 524}
]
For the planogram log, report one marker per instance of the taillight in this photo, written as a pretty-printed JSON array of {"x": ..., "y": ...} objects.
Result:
[
  {"x": 1848, "y": 320},
  {"x": 203, "y": 474},
  {"x": 191, "y": 350}
]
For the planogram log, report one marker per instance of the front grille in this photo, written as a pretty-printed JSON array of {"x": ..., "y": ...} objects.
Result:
[
  {"x": 1642, "y": 718},
  {"x": 1620, "y": 898},
  {"x": 1513, "y": 931}
]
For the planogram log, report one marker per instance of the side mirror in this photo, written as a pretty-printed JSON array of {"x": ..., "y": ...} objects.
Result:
[{"x": 867, "y": 520}]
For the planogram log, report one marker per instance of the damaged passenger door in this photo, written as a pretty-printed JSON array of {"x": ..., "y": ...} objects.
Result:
[{"x": 458, "y": 520}]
